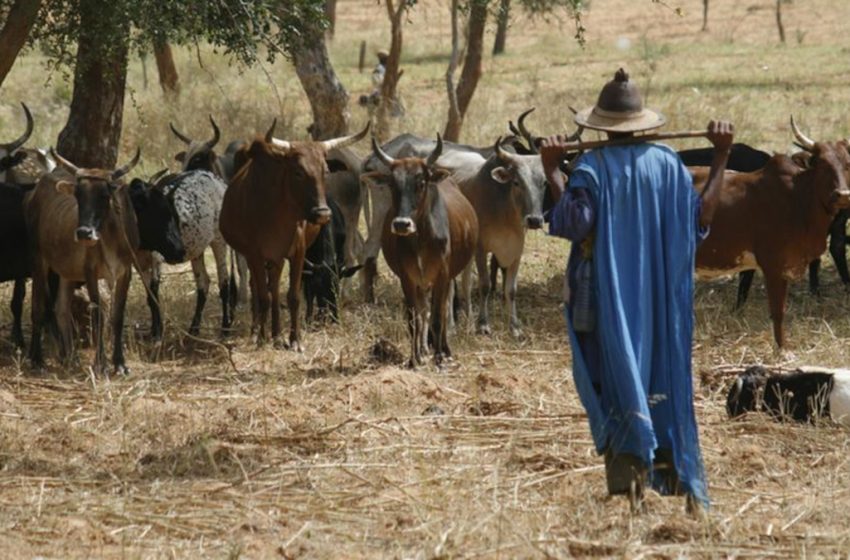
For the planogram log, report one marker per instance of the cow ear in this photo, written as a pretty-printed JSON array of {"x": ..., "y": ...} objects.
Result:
[
  {"x": 65, "y": 187},
  {"x": 347, "y": 272},
  {"x": 501, "y": 175},
  {"x": 439, "y": 173},
  {"x": 180, "y": 157}
]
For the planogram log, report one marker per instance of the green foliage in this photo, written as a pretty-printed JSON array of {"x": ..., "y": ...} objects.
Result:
[{"x": 244, "y": 29}]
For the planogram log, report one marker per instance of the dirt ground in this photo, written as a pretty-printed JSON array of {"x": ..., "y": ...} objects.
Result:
[{"x": 215, "y": 448}]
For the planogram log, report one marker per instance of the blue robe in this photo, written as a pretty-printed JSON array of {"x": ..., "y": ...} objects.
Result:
[{"x": 633, "y": 372}]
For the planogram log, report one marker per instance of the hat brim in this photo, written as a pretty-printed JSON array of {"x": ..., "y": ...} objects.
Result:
[{"x": 646, "y": 120}]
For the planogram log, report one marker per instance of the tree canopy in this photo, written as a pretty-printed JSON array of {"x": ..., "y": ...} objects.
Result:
[{"x": 245, "y": 29}]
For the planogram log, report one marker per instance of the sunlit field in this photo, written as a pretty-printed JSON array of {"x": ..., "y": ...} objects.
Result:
[{"x": 215, "y": 448}]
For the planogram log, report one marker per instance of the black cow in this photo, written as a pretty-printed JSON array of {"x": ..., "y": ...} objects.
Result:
[
  {"x": 324, "y": 266},
  {"x": 14, "y": 253},
  {"x": 803, "y": 395}
]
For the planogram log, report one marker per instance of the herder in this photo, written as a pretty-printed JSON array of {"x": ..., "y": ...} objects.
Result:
[{"x": 634, "y": 220}]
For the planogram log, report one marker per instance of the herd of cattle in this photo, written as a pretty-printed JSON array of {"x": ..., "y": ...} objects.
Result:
[{"x": 429, "y": 205}]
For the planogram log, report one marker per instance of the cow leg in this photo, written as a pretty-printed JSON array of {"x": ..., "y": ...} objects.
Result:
[
  {"x": 439, "y": 312},
  {"x": 242, "y": 269},
  {"x": 19, "y": 292},
  {"x": 96, "y": 320},
  {"x": 38, "y": 312},
  {"x": 369, "y": 273},
  {"x": 119, "y": 304},
  {"x": 510, "y": 283},
  {"x": 745, "y": 280},
  {"x": 202, "y": 288},
  {"x": 777, "y": 292},
  {"x": 483, "y": 292},
  {"x": 219, "y": 249},
  {"x": 274, "y": 272},
  {"x": 466, "y": 290},
  {"x": 62, "y": 295},
  {"x": 494, "y": 273},
  {"x": 296, "y": 268},
  {"x": 814, "y": 276},
  {"x": 151, "y": 280},
  {"x": 309, "y": 296},
  {"x": 411, "y": 315},
  {"x": 838, "y": 245},
  {"x": 259, "y": 300}
]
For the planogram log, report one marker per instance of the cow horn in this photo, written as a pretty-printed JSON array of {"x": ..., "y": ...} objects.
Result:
[
  {"x": 270, "y": 131},
  {"x": 157, "y": 176},
  {"x": 576, "y": 136},
  {"x": 524, "y": 131},
  {"x": 216, "y": 135},
  {"x": 805, "y": 142},
  {"x": 346, "y": 140},
  {"x": 64, "y": 163},
  {"x": 438, "y": 150},
  {"x": 503, "y": 156},
  {"x": 381, "y": 154},
  {"x": 15, "y": 144},
  {"x": 121, "y": 171},
  {"x": 183, "y": 138}
]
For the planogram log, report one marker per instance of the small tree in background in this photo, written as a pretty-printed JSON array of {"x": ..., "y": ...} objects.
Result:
[
  {"x": 460, "y": 96},
  {"x": 168, "y": 77},
  {"x": 388, "y": 102},
  {"x": 502, "y": 20}
]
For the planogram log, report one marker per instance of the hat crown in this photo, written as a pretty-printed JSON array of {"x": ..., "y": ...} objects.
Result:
[{"x": 620, "y": 95}]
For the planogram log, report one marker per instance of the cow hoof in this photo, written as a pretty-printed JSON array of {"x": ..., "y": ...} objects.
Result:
[
  {"x": 516, "y": 332},
  {"x": 122, "y": 370},
  {"x": 295, "y": 346},
  {"x": 484, "y": 329},
  {"x": 280, "y": 344}
]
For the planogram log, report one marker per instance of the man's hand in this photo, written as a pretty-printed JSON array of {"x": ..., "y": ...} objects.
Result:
[
  {"x": 552, "y": 151},
  {"x": 721, "y": 134}
]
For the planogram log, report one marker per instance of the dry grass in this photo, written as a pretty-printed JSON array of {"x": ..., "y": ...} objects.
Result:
[{"x": 330, "y": 454}]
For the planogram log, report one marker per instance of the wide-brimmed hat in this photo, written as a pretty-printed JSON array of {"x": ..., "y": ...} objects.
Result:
[{"x": 620, "y": 109}]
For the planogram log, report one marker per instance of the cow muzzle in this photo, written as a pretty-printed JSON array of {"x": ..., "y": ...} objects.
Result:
[
  {"x": 842, "y": 199},
  {"x": 320, "y": 215},
  {"x": 533, "y": 222},
  {"x": 404, "y": 226},
  {"x": 86, "y": 235}
]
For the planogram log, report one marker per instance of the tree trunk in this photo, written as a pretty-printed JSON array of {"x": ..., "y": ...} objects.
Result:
[
  {"x": 90, "y": 137},
  {"x": 327, "y": 95},
  {"x": 472, "y": 67},
  {"x": 391, "y": 71},
  {"x": 453, "y": 124},
  {"x": 502, "y": 26},
  {"x": 705, "y": 15},
  {"x": 168, "y": 78},
  {"x": 330, "y": 13},
  {"x": 779, "y": 21},
  {"x": 13, "y": 36}
]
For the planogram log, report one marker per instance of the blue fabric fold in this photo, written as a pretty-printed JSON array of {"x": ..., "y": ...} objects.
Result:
[{"x": 646, "y": 228}]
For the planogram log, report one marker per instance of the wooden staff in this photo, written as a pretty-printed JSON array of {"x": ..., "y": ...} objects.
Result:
[{"x": 625, "y": 140}]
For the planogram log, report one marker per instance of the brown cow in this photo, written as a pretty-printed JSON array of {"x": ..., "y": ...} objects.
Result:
[
  {"x": 429, "y": 241},
  {"x": 777, "y": 218},
  {"x": 82, "y": 227},
  {"x": 271, "y": 212}
]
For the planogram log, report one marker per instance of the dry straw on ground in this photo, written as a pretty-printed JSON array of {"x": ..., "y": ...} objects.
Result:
[{"x": 338, "y": 453}]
